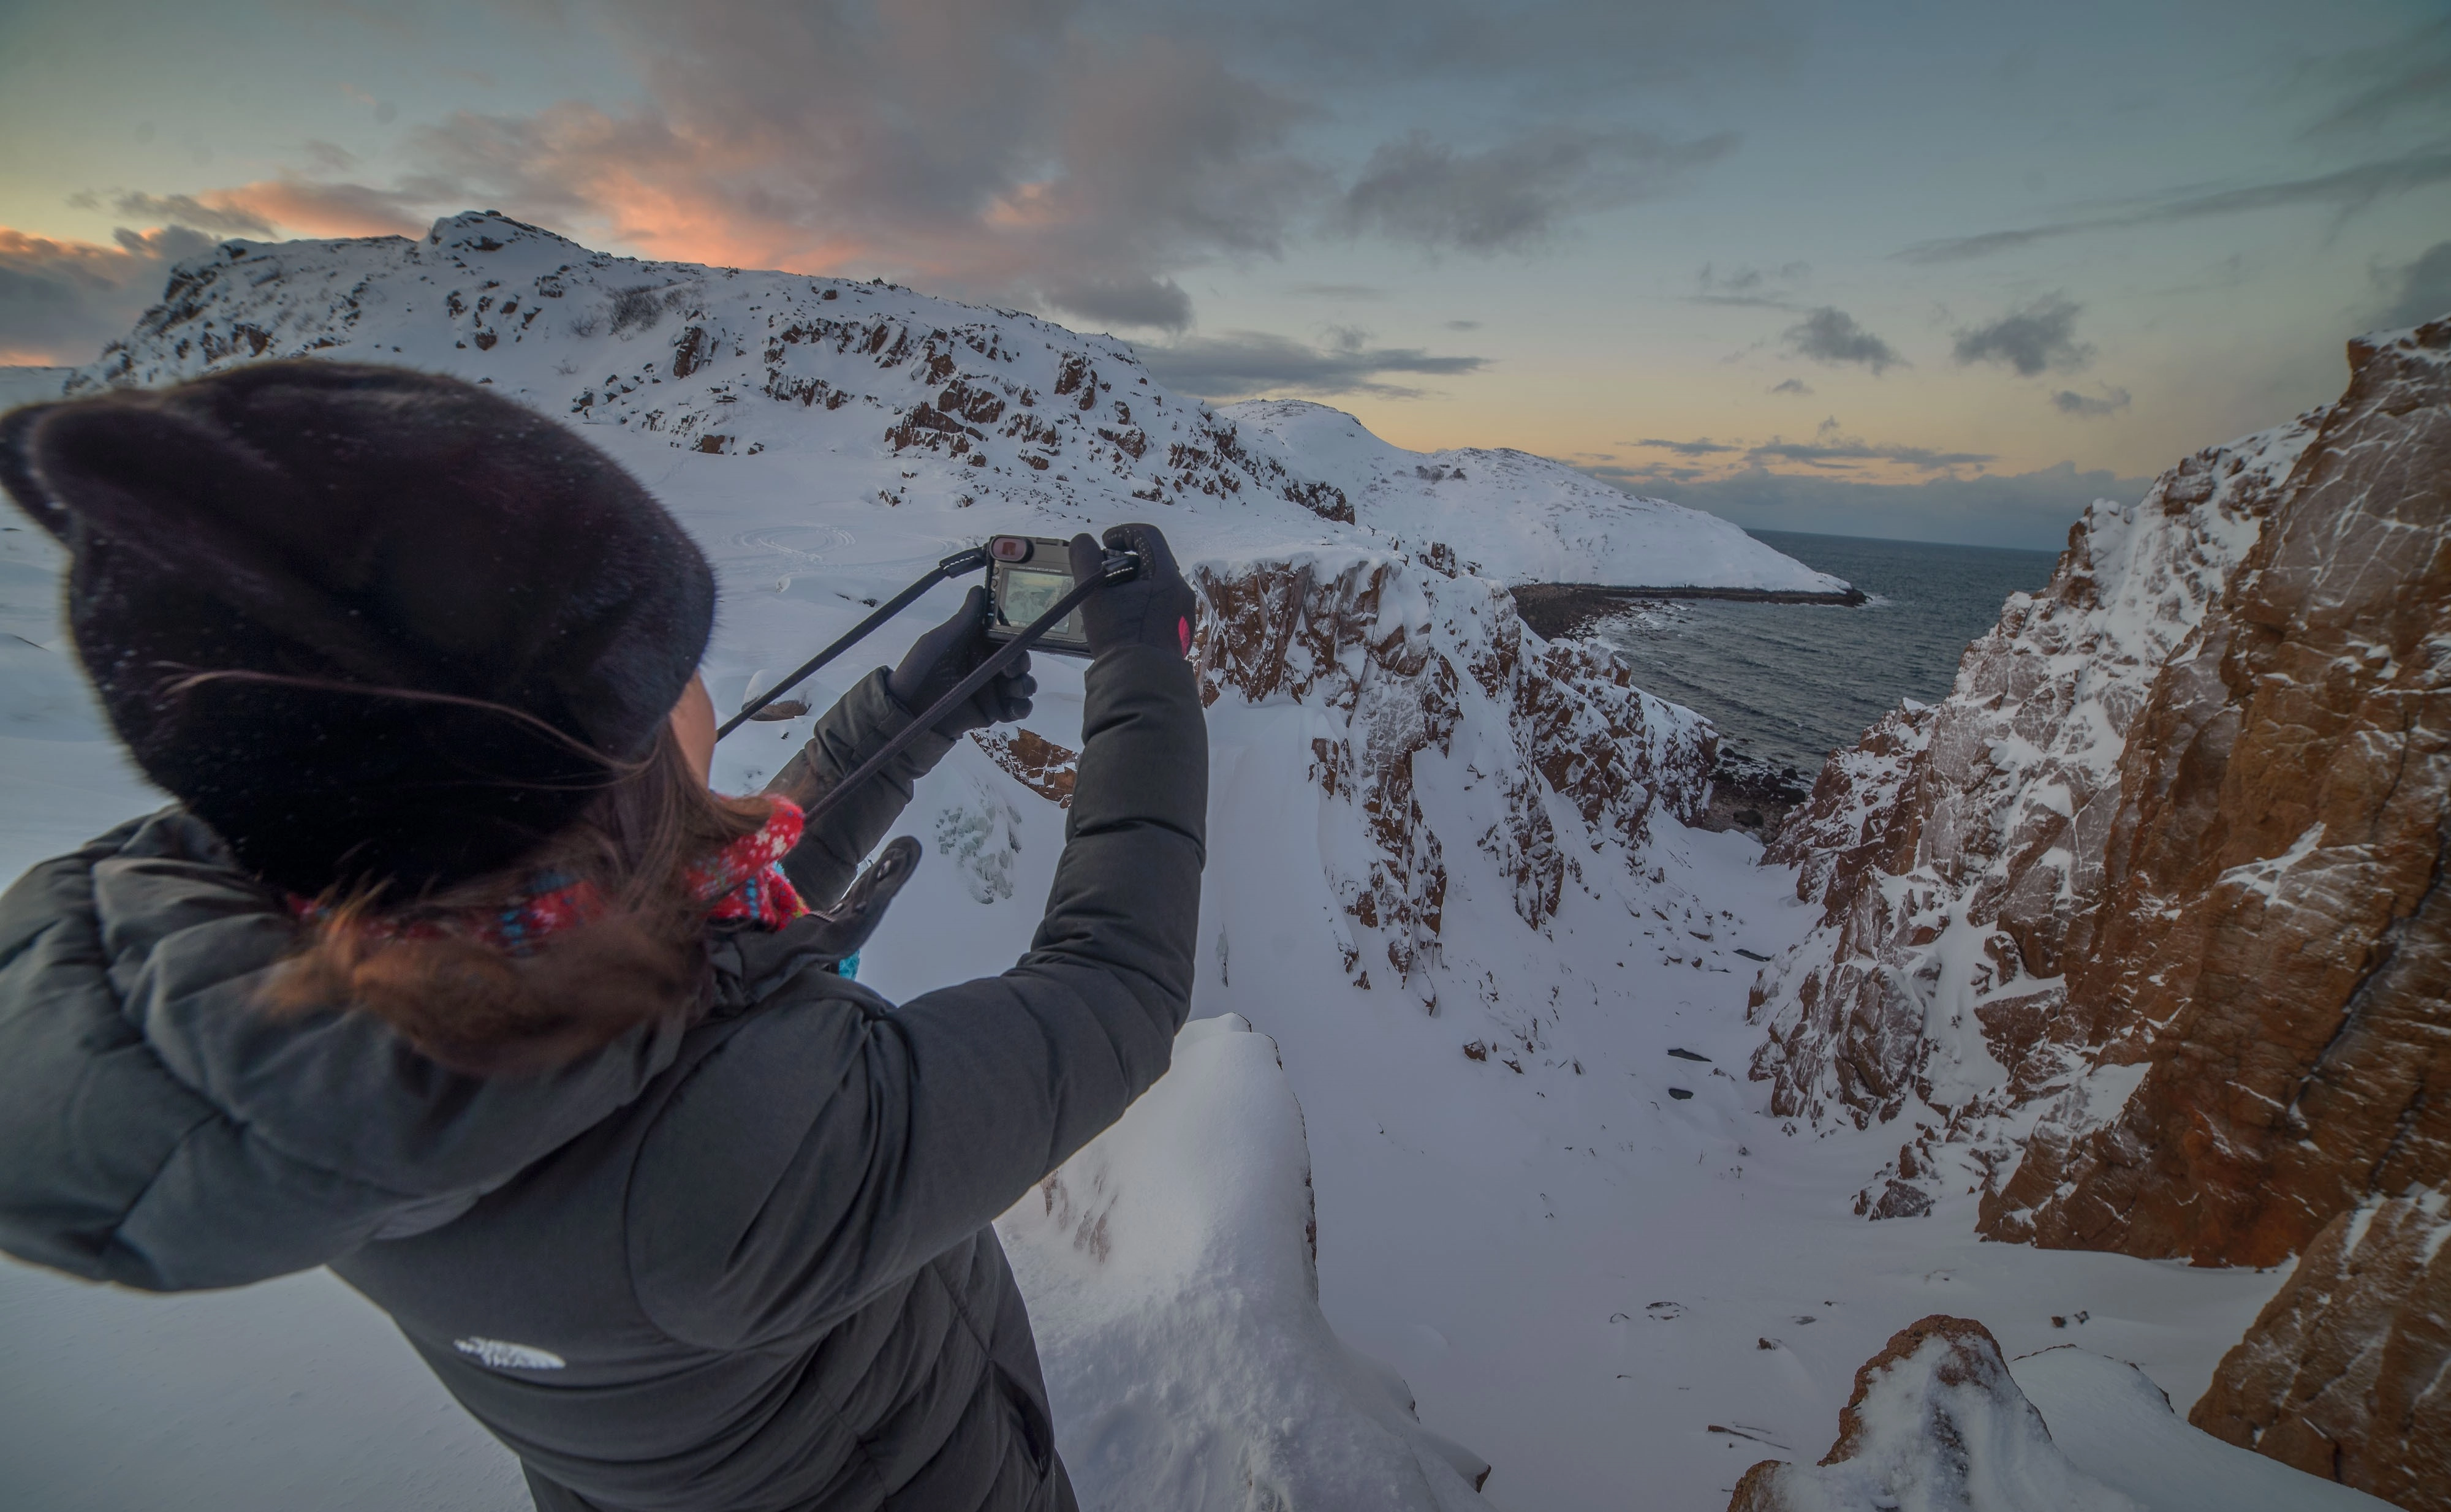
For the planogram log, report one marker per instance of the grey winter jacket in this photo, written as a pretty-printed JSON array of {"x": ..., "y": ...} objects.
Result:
[{"x": 739, "y": 1264}]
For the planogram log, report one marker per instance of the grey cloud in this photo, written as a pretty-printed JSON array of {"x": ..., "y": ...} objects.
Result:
[
  {"x": 2345, "y": 189},
  {"x": 2409, "y": 77},
  {"x": 1845, "y": 452},
  {"x": 1462, "y": 325},
  {"x": 1743, "y": 279},
  {"x": 1741, "y": 284},
  {"x": 61, "y": 301},
  {"x": 2030, "y": 339},
  {"x": 1126, "y": 299},
  {"x": 2088, "y": 407},
  {"x": 1791, "y": 385},
  {"x": 1544, "y": 49},
  {"x": 181, "y": 209},
  {"x": 1240, "y": 365},
  {"x": 1057, "y": 160},
  {"x": 2422, "y": 289},
  {"x": 1077, "y": 155},
  {"x": 1831, "y": 334},
  {"x": 1343, "y": 291},
  {"x": 1702, "y": 448},
  {"x": 1515, "y": 194},
  {"x": 2032, "y": 510}
]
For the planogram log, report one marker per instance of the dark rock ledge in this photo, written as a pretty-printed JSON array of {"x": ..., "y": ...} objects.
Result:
[{"x": 1555, "y": 609}]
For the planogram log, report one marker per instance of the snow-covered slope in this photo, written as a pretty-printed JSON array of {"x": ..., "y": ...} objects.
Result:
[
  {"x": 1176, "y": 1253},
  {"x": 1449, "y": 877},
  {"x": 1521, "y": 518},
  {"x": 964, "y": 419}
]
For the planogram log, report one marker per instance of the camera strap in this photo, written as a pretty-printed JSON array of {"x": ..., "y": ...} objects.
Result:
[
  {"x": 953, "y": 566},
  {"x": 1121, "y": 566}
]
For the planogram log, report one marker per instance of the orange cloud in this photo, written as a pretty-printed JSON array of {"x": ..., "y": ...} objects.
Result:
[{"x": 322, "y": 210}]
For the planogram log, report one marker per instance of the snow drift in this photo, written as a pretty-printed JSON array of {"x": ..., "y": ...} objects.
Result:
[{"x": 1172, "y": 1270}]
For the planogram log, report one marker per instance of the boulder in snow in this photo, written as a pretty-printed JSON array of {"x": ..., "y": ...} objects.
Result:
[{"x": 1936, "y": 1424}]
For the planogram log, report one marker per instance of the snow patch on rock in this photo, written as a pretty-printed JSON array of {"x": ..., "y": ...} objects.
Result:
[{"x": 1936, "y": 1424}]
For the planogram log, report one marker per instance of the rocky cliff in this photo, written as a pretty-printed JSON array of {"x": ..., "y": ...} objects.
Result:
[
  {"x": 1935, "y": 1421},
  {"x": 2343, "y": 1373},
  {"x": 1400, "y": 661},
  {"x": 2143, "y": 930}
]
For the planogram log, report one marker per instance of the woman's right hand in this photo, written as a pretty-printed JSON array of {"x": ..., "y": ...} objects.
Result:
[{"x": 1153, "y": 608}]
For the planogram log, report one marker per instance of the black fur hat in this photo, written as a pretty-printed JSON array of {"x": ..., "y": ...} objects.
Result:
[{"x": 372, "y": 625}]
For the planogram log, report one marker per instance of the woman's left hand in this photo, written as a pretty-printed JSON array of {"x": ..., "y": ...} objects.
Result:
[{"x": 945, "y": 656}]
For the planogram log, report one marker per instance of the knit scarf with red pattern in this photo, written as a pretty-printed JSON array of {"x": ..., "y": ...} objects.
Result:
[{"x": 743, "y": 883}]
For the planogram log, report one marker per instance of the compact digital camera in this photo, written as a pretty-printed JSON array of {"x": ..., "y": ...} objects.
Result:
[{"x": 1027, "y": 577}]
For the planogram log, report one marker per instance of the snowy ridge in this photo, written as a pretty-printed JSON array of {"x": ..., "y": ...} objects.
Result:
[
  {"x": 912, "y": 402},
  {"x": 1536, "y": 520},
  {"x": 1958, "y": 853}
]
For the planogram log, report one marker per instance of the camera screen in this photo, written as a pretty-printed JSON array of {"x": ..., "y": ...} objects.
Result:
[{"x": 1024, "y": 594}]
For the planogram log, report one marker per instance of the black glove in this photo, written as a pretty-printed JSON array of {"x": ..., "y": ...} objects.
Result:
[
  {"x": 948, "y": 654},
  {"x": 1153, "y": 609}
]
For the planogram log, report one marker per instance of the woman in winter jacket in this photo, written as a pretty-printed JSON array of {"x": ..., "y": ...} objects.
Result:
[{"x": 448, "y": 972}]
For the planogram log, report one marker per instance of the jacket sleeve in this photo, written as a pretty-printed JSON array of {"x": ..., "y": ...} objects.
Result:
[
  {"x": 828, "y": 856},
  {"x": 828, "y": 1150}
]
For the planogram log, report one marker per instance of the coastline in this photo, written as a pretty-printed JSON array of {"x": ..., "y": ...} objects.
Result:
[{"x": 1555, "y": 609}]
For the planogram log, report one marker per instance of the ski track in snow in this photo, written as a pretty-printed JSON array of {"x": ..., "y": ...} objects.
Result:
[{"x": 1615, "y": 1295}]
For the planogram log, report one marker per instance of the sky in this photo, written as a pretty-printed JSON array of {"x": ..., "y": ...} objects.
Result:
[{"x": 1931, "y": 272}]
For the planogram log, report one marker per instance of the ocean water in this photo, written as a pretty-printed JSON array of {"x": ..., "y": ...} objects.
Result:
[{"x": 1790, "y": 683}]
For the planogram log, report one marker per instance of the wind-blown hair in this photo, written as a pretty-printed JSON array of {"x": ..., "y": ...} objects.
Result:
[{"x": 488, "y": 1009}]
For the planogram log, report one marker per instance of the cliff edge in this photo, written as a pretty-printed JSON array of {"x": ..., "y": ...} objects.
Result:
[{"x": 2142, "y": 932}]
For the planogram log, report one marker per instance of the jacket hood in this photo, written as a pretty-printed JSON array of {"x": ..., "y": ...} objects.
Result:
[{"x": 160, "y": 1129}]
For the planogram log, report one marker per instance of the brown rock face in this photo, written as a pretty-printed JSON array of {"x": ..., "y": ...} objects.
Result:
[
  {"x": 1958, "y": 853},
  {"x": 2144, "y": 929},
  {"x": 2344, "y": 1373},
  {"x": 1410, "y": 665},
  {"x": 2276, "y": 939},
  {"x": 1034, "y": 761}
]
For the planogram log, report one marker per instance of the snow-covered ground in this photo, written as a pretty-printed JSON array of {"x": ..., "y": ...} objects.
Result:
[
  {"x": 1574, "y": 1270},
  {"x": 1614, "y": 1294}
]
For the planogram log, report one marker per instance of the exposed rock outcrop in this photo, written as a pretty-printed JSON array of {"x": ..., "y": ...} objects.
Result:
[
  {"x": 912, "y": 402},
  {"x": 1937, "y": 1424},
  {"x": 2344, "y": 1373},
  {"x": 2275, "y": 948},
  {"x": 1404, "y": 663},
  {"x": 2143, "y": 931}
]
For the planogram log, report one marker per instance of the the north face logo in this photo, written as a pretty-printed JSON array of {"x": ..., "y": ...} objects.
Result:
[{"x": 499, "y": 1355}]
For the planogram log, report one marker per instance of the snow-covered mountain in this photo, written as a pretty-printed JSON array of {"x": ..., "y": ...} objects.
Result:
[
  {"x": 911, "y": 403},
  {"x": 1451, "y": 884}
]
